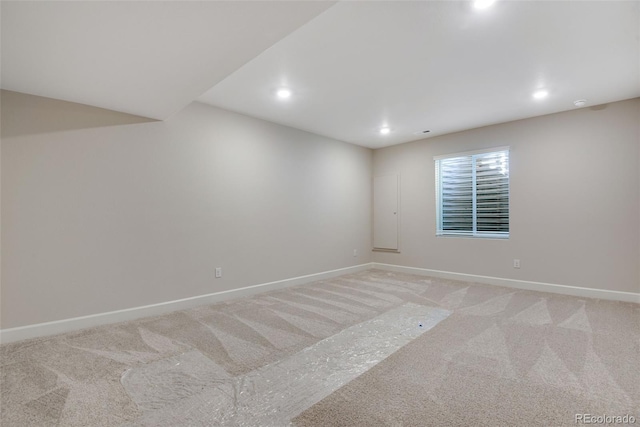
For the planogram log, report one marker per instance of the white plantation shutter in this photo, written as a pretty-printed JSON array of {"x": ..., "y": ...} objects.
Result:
[
  {"x": 472, "y": 194},
  {"x": 456, "y": 194}
]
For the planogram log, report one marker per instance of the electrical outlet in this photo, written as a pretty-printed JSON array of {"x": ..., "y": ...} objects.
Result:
[
  {"x": 218, "y": 272},
  {"x": 516, "y": 263},
  {"x": 355, "y": 252}
]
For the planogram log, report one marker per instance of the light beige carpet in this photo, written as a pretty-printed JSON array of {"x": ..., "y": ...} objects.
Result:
[{"x": 424, "y": 352}]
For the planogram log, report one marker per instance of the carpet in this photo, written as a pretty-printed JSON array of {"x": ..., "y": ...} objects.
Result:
[
  {"x": 372, "y": 348},
  {"x": 505, "y": 358}
]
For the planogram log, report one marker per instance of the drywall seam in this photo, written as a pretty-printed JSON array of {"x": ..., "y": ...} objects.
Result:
[
  {"x": 76, "y": 323},
  {"x": 517, "y": 284}
]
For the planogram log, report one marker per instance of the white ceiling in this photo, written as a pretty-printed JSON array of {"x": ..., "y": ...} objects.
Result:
[
  {"x": 353, "y": 67},
  {"x": 442, "y": 66},
  {"x": 149, "y": 58}
]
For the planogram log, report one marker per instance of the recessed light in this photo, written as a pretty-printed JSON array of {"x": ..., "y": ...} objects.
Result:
[
  {"x": 580, "y": 102},
  {"x": 483, "y": 4},
  {"x": 385, "y": 130},
  {"x": 283, "y": 93},
  {"x": 540, "y": 94}
]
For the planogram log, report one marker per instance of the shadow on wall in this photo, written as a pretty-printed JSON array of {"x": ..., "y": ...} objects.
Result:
[
  {"x": 24, "y": 114},
  {"x": 599, "y": 107}
]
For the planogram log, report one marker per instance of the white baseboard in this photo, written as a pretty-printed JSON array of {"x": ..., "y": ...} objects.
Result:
[
  {"x": 518, "y": 284},
  {"x": 76, "y": 323}
]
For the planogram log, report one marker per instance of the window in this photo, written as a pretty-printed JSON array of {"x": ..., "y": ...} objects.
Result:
[{"x": 472, "y": 194}]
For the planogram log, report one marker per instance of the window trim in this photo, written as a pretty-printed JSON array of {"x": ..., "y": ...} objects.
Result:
[
  {"x": 472, "y": 153},
  {"x": 470, "y": 234}
]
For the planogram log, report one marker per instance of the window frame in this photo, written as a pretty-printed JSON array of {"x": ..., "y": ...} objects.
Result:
[{"x": 473, "y": 234}]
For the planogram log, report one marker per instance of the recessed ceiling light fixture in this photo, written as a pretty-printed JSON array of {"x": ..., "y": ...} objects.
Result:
[
  {"x": 483, "y": 4},
  {"x": 580, "y": 102},
  {"x": 385, "y": 130},
  {"x": 283, "y": 93},
  {"x": 540, "y": 94}
]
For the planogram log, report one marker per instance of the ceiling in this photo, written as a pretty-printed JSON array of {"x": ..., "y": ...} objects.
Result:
[
  {"x": 148, "y": 58},
  {"x": 352, "y": 67}
]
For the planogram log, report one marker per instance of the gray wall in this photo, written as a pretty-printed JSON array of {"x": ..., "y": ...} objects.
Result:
[
  {"x": 102, "y": 212},
  {"x": 575, "y": 200}
]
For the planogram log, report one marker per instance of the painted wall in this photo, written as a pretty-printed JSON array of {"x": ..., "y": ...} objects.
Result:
[
  {"x": 102, "y": 212},
  {"x": 575, "y": 200}
]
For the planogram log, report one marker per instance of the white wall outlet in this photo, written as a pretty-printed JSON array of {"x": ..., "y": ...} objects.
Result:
[
  {"x": 516, "y": 263},
  {"x": 218, "y": 272},
  {"x": 355, "y": 252}
]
